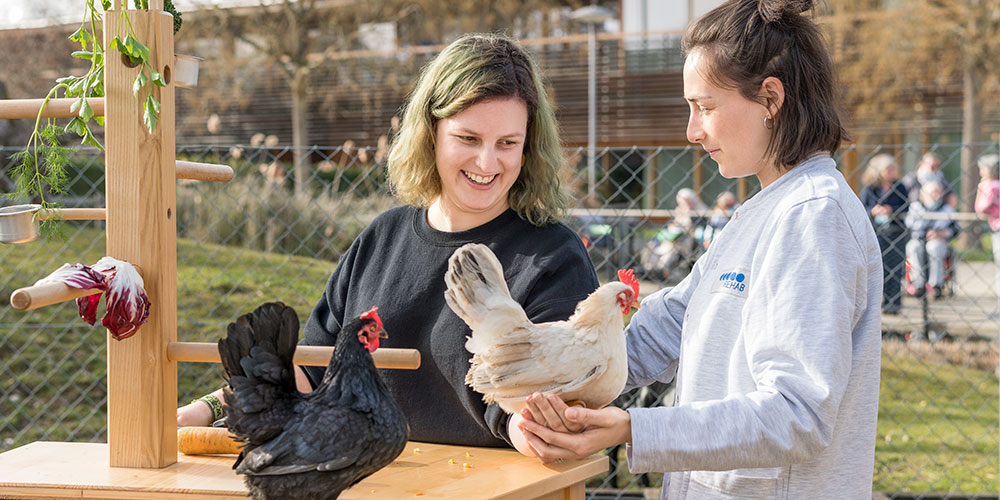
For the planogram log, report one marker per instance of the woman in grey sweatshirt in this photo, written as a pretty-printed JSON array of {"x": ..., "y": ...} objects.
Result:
[{"x": 774, "y": 337}]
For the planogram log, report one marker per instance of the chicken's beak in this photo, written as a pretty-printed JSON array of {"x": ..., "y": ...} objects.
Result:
[{"x": 382, "y": 334}]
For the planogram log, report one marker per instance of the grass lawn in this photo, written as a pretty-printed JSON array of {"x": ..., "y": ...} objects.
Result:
[
  {"x": 937, "y": 427},
  {"x": 53, "y": 365}
]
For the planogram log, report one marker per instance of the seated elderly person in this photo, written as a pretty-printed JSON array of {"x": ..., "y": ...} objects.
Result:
[{"x": 930, "y": 230}]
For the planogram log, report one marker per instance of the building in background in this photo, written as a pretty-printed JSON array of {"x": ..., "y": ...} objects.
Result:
[{"x": 355, "y": 88}]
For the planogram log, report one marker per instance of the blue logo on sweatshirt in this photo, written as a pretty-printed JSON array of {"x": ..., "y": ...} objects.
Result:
[{"x": 734, "y": 281}]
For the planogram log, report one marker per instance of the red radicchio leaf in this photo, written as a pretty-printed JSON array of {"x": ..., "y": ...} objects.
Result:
[
  {"x": 127, "y": 303},
  {"x": 88, "y": 307},
  {"x": 85, "y": 278}
]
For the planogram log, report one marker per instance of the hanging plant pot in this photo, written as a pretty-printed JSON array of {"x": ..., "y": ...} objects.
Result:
[
  {"x": 186, "y": 70},
  {"x": 18, "y": 223}
]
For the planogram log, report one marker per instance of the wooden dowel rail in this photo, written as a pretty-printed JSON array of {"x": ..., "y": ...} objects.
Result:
[
  {"x": 74, "y": 214},
  {"x": 185, "y": 170},
  {"x": 33, "y": 297},
  {"x": 206, "y": 352},
  {"x": 203, "y": 171},
  {"x": 11, "y": 109},
  {"x": 46, "y": 294}
]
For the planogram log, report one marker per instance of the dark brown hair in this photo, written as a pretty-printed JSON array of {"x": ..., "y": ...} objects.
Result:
[{"x": 746, "y": 41}]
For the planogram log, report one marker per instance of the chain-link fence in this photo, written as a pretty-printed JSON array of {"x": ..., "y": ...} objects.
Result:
[{"x": 258, "y": 238}]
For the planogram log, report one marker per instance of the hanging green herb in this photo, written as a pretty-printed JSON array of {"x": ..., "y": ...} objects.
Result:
[
  {"x": 168, "y": 6},
  {"x": 42, "y": 165}
]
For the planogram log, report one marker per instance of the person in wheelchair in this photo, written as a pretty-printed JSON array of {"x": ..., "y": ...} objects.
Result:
[
  {"x": 931, "y": 228},
  {"x": 673, "y": 250}
]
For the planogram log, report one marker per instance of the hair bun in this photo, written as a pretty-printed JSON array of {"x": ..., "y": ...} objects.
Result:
[{"x": 776, "y": 10}]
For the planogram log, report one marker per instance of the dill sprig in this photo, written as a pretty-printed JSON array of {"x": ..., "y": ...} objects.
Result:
[{"x": 41, "y": 168}]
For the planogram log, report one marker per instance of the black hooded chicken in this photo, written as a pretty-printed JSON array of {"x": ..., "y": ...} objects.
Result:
[{"x": 314, "y": 445}]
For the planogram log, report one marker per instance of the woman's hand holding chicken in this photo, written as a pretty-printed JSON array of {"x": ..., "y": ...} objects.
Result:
[{"x": 555, "y": 431}]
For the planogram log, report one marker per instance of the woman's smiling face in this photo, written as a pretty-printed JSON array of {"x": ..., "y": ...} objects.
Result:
[{"x": 478, "y": 153}]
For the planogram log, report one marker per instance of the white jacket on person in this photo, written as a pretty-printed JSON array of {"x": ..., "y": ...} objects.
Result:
[{"x": 775, "y": 339}]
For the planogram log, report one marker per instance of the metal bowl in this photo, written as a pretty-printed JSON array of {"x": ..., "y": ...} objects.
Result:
[
  {"x": 18, "y": 223},
  {"x": 186, "y": 70}
]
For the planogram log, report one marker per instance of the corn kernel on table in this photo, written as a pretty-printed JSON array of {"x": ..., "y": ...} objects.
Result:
[{"x": 423, "y": 471}]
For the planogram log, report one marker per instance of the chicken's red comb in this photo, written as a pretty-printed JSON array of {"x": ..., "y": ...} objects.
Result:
[
  {"x": 372, "y": 314},
  {"x": 628, "y": 277}
]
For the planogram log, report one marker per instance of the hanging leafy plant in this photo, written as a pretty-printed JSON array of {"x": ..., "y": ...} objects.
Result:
[{"x": 44, "y": 161}]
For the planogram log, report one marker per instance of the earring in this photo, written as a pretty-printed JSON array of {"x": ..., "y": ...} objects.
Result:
[{"x": 768, "y": 122}]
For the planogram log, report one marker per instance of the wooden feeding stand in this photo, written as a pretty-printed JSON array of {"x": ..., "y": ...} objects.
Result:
[{"x": 140, "y": 459}]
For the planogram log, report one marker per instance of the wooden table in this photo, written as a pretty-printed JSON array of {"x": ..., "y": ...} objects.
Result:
[{"x": 422, "y": 471}]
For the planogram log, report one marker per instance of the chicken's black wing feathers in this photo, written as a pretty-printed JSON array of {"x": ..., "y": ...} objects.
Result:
[
  {"x": 325, "y": 444},
  {"x": 305, "y": 446},
  {"x": 257, "y": 357}
]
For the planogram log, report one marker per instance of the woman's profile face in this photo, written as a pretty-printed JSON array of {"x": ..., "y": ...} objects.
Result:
[
  {"x": 729, "y": 126},
  {"x": 478, "y": 155}
]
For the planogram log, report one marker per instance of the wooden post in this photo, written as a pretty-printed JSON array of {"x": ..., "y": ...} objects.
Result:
[
  {"x": 849, "y": 166},
  {"x": 142, "y": 229}
]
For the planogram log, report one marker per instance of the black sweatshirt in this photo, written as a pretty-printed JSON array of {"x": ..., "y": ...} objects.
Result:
[{"x": 398, "y": 263}]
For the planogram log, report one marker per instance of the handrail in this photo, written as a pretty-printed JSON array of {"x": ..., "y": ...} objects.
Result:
[{"x": 661, "y": 214}]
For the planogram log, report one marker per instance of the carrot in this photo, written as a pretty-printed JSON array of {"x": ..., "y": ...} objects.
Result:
[{"x": 206, "y": 441}]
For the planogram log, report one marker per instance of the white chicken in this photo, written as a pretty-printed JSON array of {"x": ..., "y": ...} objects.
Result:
[{"x": 582, "y": 359}]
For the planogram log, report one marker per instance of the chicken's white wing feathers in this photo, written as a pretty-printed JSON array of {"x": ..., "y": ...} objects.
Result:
[
  {"x": 478, "y": 294},
  {"x": 513, "y": 357},
  {"x": 543, "y": 358}
]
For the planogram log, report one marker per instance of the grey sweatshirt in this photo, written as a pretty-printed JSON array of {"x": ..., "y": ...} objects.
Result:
[{"x": 775, "y": 338}]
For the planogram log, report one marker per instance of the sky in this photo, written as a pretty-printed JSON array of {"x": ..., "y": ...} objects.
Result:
[
  {"x": 30, "y": 13},
  {"x": 35, "y": 13}
]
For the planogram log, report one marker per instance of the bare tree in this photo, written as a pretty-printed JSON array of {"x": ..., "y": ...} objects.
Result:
[
  {"x": 291, "y": 36},
  {"x": 898, "y": 57},
  {"x": 299, "y": 37}
]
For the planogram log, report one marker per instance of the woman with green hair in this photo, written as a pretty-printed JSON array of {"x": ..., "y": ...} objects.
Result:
[{"x": 476, "y": 159}]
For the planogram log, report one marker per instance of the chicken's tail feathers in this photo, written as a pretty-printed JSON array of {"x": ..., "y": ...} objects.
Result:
[
  {"x": 475, "y": 280},
  {"x": 272, "y": 328},
  {"x": 236, "y": 344},
  {"x": 257, "y": 357}
]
